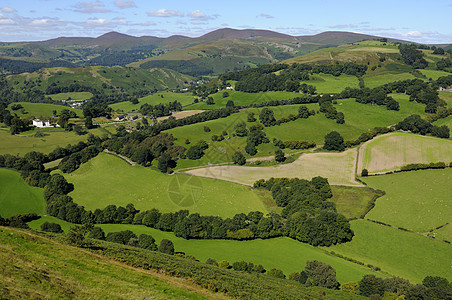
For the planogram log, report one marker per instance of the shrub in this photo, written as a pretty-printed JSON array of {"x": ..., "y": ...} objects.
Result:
[
  {"x": 51, "y": 227},
  {"x": 166, "y": 246}
]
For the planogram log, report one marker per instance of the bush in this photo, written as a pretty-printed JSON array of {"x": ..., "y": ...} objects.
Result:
[
  {"x": 166, "y": 246},
  {"x": 238, "y": 158},
  {"x": 97, "y": 233},
  {"x": 364, "y": 173},
  {"x": 334, "y": 141},
  {"x": 146, "y": 241},
  {"x": 279, "y": 156},
  {"x": 276, "y": 273}
]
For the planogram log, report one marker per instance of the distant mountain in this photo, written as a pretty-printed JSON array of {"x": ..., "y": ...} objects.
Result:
[{"x": 218, "y": 51}]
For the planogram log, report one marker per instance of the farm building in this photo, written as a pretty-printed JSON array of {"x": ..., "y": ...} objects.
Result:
[{"x": 41, "y": 124}]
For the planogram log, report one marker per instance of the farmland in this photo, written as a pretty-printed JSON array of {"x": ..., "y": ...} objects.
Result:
[
  {"x": 17, "y": 197},
  {"x": 72, "y": 95},
  {"x": 146, "y": 189},
  {"x": 283, "y": 253},
  {"x": 39, "y": 110},
  {"x": 400, "y": 253},
  {"x": 417, "y": 200},
  {"x": 13, "y": 144},
  {"x": 337, "y": 167},
  {"x": 390, "y": 152}
]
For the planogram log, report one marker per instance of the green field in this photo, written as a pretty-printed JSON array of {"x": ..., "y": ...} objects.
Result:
[
  {"x": 352, "y": 201},
  {"x": 434, "y": 74},
  {"x": 145, "y": 188},
  {"x": 378, "y": 78},
  {"x": 12, "y": 144},
  {"x": 282, "y": 253},
  {"x": 446, "y": 121},
  {"x": 38, "y": 268},
  {"x": 241, "y": 98},
  {"x": 391, "y": 151},
  {"x": 400, "y": 253},
  {"x": 40, "y": 110},
  {"x": 127, "y": 106},
  {"x": 326, "y": 83},
  {"x": 444, "y": 233},
  {"x": 416, "y": 200},
  {"x": 339, "y": 168},
  {"x": 72, "y": 95},
  {"x": 17, "y": 197}
]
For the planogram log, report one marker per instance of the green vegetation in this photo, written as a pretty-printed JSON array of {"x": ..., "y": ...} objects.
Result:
[
  {"x": 147, "y": 188},
  {"x": 36, "y": 267},
  {"x": 417, "y": 200},
  {"x": 390, "y": 152},
  {"x": 281, "y": 253},
  {"x": 72, "y": 95},
  {"x": 446, "y": 121},
  {"x": 38, "y": 110},
  {"x": 352, "y": 202},
  {"x": 326, "y": 83},
  {"x": 17, "y": 197},
  {"x": 400, "y": 253},
  {"x": 444, "y": 233},
  {"x": 14, "y": 145}
]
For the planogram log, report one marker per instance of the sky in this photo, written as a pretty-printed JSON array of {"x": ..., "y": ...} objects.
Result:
[{"x": 414, "y": 20}]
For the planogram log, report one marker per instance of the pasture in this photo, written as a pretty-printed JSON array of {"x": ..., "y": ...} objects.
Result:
[
  {"x": 444, "y": 233},
  {"x": 391, "y": 151},
  {"x": 337, "y": 167},
  {"x": 19, "y": 145},
  {"x": 146, "y": 188},
  {"x": 72, "y": 95},
  {"x": 350, "y": 201},
  {"x": 156, "y": 98},
  {"x": 41, "y": 110},
  {"x": 433, "y": 74},
  {"x": 327, "y": 83},
  {"x": 446, "y": 121},
  {"x": 415, "y": 200},
  {"x": 282, "y": 253},
  {"x": 400, "y": 253},
  {"x": 17, "y": 197}
]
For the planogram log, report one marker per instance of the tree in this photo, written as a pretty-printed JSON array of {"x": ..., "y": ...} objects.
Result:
[
  {"x": 251, "y": 117},
  {"x": 51, "y": 227},
  {"x": 77, "y": 234},
  {"x": 195, "y": 152},
  {"x": 210, "y": 101},
  {"x": 279, "y": 156},
  {"x": 364, "y": 173},
  {"x": 240, "y": 129},
  {"x": 97, "y": 233},
  {"x": 303, "y": 112},
  {"x": 206, "y": 129},
  {"x": 250, "y": 148},
  {"x": 371, "y": 285},
  {"x": 238, "y": 158},
  {"x": 350, "y": 287},
  {"x": 89, "y": 122},
  {"x": 225, "y": 95},
  {"x": 321, "y": 274},
  {"x": 334, "y": 141},
  {"x": 146, "y": 241},
  {"x": 230, "y": 103},
  {"x": 267, "y": 117},
  {"x": 165, "y": 163},
  {"x": 166, "y": 246},
  {"x": 340, "y": 119},
  {"x": 276, "y": 273}
]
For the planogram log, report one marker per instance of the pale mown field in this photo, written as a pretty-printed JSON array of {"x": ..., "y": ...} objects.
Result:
[
  {"x": 337, "y": 167},
  {"x": 390, "y": 152}
]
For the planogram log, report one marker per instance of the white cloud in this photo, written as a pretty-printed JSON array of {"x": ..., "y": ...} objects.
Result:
[
  {"x": 182, "y": 22},
  {"x": 125, "y": 4},
  {"x": 97, "y": 21},
  {"x": 267, "y": 16},
  {"x": 7, "y": 9},
  {"x": 197, "y": 14},
  {"x": 6, "y": 22},
  {"x": 412, "y": 33},
  {"x": 90, "y": 7},
  {"x": 198, "y": 22},
  {"x": 165, "y": 13}
]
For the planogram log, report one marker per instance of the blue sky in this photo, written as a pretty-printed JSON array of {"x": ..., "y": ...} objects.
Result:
[{"x": 416, "y": 20}]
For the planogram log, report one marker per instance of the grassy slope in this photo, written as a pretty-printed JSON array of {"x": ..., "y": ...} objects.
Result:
[
  {"x": 31, "y": 270},
  {"x": 21, "y": 144},
  {"x": 326, "y": 83},
  {"x": 146, "y": 189},
  {"x": 444, "y": 233},
  {"x": 282, "y": 253},
  {"x": 352, "y": 201},
  {"x": 390, "y": 152},
  {"x": 401, "y": 253},
  {"x": 446, "y": 121},
  {"x": 17, "y": 197},
  {"x": 72, "y": 95},
  {"x": 417, "y": 200},
  {"x": 37, "y": 110}
]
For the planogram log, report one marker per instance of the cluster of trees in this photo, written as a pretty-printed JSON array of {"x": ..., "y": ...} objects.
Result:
[
  {"x": 326, "y": 106},
  {"x": 19, "y": 221},
  {"x": 255, "y": 136},
  {"x": 416, "y": 124},
  {"x": 420, "y": 166},
  {"x": 413, "y": 57},
  {"x": 298, "y": 144},
  {"x": 12, "y": 66},
  {"x": 161, "y": 109},
  {"x": 143, "y": 148},
  {"x": 334, "y": 141},
  {"x": 444, "y": 64},
  {"x": 378, "y": 96},
  {"x": 72, "y": 162},
  {"x": 368, "y": 135},
  {"x": 16, "y": 124},
  {"x": 310, "y": 217}
]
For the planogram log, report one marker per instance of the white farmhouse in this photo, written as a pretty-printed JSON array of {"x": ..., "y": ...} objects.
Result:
[{"x": 41, "y": 124}]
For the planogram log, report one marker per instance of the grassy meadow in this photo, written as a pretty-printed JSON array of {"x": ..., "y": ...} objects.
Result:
[
  {"x": 39, "y": 110},
  {"x": 327, "y": 83},
  {"x": 73, "y": 95},
  {"x": 38, "y": 268},
  {"x": 416, "y": 200},
  {"x": 17, "y": 197},
  {"x": 400, "y": 253},
  {"x": 19, "y": 145},
  {"x": 121, "y": 184},
  {"x": 391, "y": 151},
  {"x": 282, "y": 253},
  {"x": 352, "y": 201},
  {"x": 444, "y": 233}
]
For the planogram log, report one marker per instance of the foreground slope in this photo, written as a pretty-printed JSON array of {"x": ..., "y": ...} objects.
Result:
[{"x": 30, "y": 270}]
